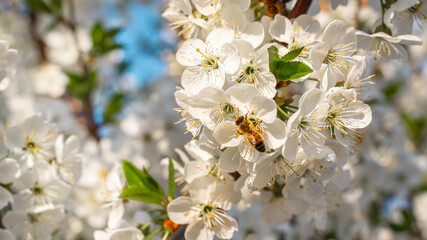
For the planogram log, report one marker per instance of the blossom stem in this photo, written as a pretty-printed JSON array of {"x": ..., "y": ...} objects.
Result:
[
  {"x": 313, "y": 79},
  {"x": 283, "y": 112},
  {"x": 166, "y": 235}
]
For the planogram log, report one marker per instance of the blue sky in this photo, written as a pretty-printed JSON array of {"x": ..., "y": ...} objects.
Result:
[{"x": 144, "y": 42}]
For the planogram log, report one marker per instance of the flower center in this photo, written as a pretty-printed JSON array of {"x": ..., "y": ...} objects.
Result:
[
  {"x": 302, "y": 124},
  {"x": 227, "y": 108},
  {"x": 37, "y": 190},
  {"x": 207, "y": 209},
  {"x": 250, "y": 70},
  {"x": 211, "y": 62},
  {"x": 31, "y": 146}
]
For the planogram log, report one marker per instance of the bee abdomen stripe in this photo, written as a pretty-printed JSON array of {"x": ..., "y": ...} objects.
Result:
[{"x": 260, "y": 146}]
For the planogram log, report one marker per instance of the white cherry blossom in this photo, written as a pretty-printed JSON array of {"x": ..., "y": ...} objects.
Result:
[
  {"x": 259, "y": 113},
  {"x": 205, "y": 210},
  {"x": 180, "y": 14},
  {"x": 254, "y": 69},
  {"x": 302, "y": 32},
  {"x": 335, "y": 51},
  {"x": 305, "y": 126},
  {"x": 345, "y": 115},
  {"x": 383, "y": 45},
  {"x": 208, "y": 62}
]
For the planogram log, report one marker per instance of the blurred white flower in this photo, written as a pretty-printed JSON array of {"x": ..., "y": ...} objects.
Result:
[
  {"x": 38, "y": 187},
  {"x": 8, "y": 57},
  {"x": 38, "y": 225},
  {"x": 48, "y": 79}
]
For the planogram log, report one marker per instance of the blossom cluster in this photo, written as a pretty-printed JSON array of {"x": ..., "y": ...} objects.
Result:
[
  {"x": 38, "y": 168},
  {"x": 251, "y": 133}
]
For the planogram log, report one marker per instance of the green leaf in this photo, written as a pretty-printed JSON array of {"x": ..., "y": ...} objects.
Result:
[
  {"x": 283, "y": 68},
  {"x": 291, "y": 55},
  {"x": 286, "y": 71},
  {"x": 150, "y": 183},
  {"x": 97, "y": 34},
  {"x": 416, "y": 128},
  {"x": 273, "y": 57},
  {"x": 392, "y": 90},
  {"x": 104, "y": 39},
  {"x": 132, "y": 174},
  {"x": 39, "y": 5},
  {"x": 171, "y": 179},
  {"x": 375, "y": 213},
  {"x": 81, "y": 85},
  {"x": 135, "y": 177},
  {"x": 153, "y": 233},
  {"x": 141, "y": 194},
  {"x": 114, "y": 107},
  {"x": 77, "y": 85},
  {"x": 57, "y": 4}
]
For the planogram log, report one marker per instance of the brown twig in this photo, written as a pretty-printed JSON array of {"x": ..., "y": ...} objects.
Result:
[
  {"x": 86, "y": 109},
  {"x": 301, "y": 7},
  {"x": 41, "y": 46}
]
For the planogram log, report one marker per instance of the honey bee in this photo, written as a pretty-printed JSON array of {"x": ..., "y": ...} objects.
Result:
[{"x": 251, "y": 132}]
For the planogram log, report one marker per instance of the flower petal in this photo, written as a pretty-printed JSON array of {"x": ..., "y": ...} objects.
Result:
[
  {"x": 189, "y": 52},
  {"x": 9, "y": 168},
  {"x": 180, "y": 210},
  {"x": 226, "y": 229},
  {"x": 280, "y": 28},
  {"x": 276, "y": 133},
  {"x": 226, "y": 134},
  {"x": 230, "y": 160},
  {"x": 264, "y": 108},
  {"x": 197, "y": 230}
]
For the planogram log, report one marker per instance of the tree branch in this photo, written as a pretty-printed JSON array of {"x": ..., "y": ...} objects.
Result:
[
  {"x": 301, "y": 7},
  {"x": 40, "y": 45},
  {"x": 88, "y": 108}
]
